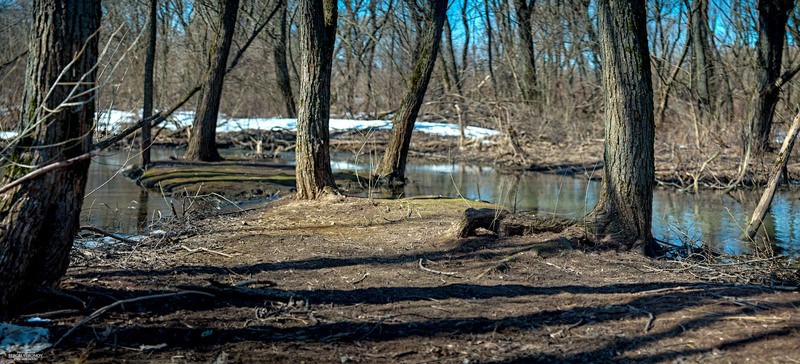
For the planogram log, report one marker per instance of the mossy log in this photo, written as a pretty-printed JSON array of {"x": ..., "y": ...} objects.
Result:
[{"x": 504, "y": 224}]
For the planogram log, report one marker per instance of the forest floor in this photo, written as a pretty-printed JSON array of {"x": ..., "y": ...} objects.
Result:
[{"x": 354, "y": 280}]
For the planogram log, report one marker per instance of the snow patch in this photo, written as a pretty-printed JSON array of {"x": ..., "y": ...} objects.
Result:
[
  {"x": 23, "y": 339},
  {"x": 111, "y": 121},
  {"x": 114, "y": 119}
]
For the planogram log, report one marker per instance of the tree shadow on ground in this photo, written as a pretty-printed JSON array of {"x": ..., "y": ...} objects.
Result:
[{"x": 417, "y": 326}]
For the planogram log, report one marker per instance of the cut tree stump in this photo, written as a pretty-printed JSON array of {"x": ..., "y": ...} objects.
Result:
[{"x": 504, "y": 224}]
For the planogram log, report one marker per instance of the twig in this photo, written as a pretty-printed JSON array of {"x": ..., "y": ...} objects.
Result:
[
  {"x": 650, "y": 317},
  {"x": 360, "y": 279},
  {"x": 454, "y": 274},
  {"x": 110, "y": 235},
  {"x": 254, "y": 281},
  {"x": 105, "y": 309},
  {"x": 51, "y": 313},
  {"x": 649, "y": 324},
  {"x": 561, "y": 332},
  {"x": 501, "y": 262},
  {"x": 192, "y": 251},
  {"x": 45, "y": 169}
]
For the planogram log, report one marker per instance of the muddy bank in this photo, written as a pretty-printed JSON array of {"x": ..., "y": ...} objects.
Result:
[{"x": 360, "y": 280}]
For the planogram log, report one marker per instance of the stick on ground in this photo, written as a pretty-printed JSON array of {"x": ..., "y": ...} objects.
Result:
[
  {"x": 452, "y": 274},
  {"x": 105, "y": 309}
]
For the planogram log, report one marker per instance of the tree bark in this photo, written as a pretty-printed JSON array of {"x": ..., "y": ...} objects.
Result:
[
  {"x": 624, "y": 211},
  {"x": 393, "y": 165},
  {"x": 149, "y": 65},
  {"x": 317, "y": 38},
  {"x": 465, "y": 50},
  {"x": 780, "y": 164},
  {"x": 772, "y": 18},
  {"x": 450, "y": 58},
  {"x": 529, "y": 84},
  {"x": 203, "y": 144},
  {"x": 489, "y": 45},
  {"x": 703, "y": 70},
  {"x": 40, "y": 218},
  {"x": 281, "y": 68}
]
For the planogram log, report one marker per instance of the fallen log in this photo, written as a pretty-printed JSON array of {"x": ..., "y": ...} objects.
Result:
[
  {"x": 504, "y": 224},
  {"x": 766, "y": 198}
]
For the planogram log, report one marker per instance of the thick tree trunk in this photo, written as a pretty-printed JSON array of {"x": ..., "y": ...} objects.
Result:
[
  {"x": 281, "y": 68},
  {"x": 40, "y": 218},
  {"x": 317, "y": 38},
  {"x": 703, "y": 65},
  {"x": 772, "y": 18},
  {"x": 529, "y": 84},
  {"x": 624, "y": 211},
  {"x": 393, "y": 165},
  {"x": 149, "y": 65},
  {"x": 203, "y": 143}
]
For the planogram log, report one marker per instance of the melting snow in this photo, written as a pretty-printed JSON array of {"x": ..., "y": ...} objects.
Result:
[
  {"x": 22, "y": 339},
  {"x": 112, "y": 120}
]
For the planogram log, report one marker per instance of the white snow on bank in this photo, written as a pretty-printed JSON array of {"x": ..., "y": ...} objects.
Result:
[
  {"x": 15, "y": 339},
  {"x": 110, "y": 121}
]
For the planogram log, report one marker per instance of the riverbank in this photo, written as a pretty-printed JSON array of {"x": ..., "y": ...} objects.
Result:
[
  {"x": 365, "y": 280},
  {"x": 678, "y": 166}
]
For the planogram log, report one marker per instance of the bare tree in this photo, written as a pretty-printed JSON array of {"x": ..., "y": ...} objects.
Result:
[
  {"x": 279, "y": 53},
  {"x": 40, "y": 218},
  {"x": 202, "y": 143},
  {"x": 529, "y": 84},
  {"x": 703, "y": 66},
  {"x": 393, "y": 165},
  {"x": 149, "y": 66},
  {"x": 317, "y": 38},
  {"x": 625, "y": 208},
  {"x": 772, "y": 18}
]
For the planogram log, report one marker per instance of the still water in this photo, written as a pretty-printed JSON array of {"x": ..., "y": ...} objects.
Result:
[{"x": 114, "y": 202}]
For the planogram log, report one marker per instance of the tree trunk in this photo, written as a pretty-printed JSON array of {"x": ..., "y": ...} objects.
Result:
[
  {"x": 465, "y": 51},
  {"x": 149, "y": 65},
  {"x": 780, "y": 164},
  {"x": 772, "y": 18},
  {"x": 393, "y": 165},
  {"x": 40, "y": 218},
  {"x": 281, "y": 68},
  {"x": 529, "y": 83},
  {"x": 317, "y": 38},
  {"x": 624, "y": 211},
  {"x": 450, "y": 58},
  {"x": 489, "y": 45},
  {"x": 203, "y": 144},
  {"x": 703, "y": 70}
]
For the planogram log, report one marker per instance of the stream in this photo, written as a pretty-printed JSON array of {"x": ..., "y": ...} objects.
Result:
[{"x": 117, "y": 204}]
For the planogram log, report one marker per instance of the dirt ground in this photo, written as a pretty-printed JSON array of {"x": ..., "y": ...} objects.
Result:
[{"x": 369, "y": 281}]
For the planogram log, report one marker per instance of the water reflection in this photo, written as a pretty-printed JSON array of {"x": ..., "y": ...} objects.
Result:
[{"x": 711, "y": 218}]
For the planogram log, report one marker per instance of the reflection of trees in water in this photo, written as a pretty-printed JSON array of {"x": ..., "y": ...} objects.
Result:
[{"x": 142, "y": 211}]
